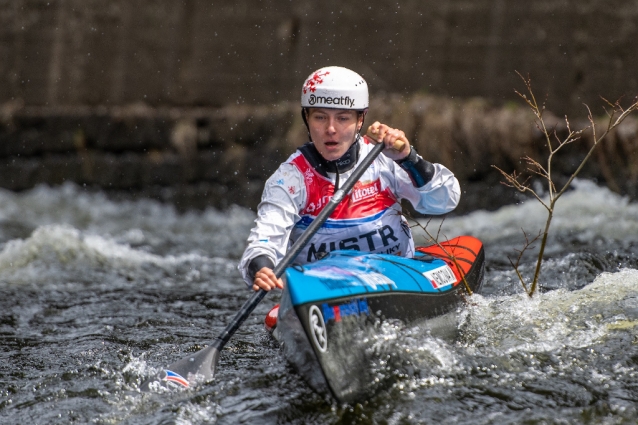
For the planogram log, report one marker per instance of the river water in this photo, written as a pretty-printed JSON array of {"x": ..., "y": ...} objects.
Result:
[{"x": 96, "y": 295}]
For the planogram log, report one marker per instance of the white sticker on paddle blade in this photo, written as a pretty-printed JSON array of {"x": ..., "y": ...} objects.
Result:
[{"x": 441, "y": 277}]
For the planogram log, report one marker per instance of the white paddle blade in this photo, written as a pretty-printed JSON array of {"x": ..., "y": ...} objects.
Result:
[{"x": 196, "y": 368}]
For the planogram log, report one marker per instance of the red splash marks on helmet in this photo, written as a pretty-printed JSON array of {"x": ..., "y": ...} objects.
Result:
[{"x": 314, "y": 81}]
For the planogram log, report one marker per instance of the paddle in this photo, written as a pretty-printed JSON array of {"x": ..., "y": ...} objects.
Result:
[{"x": 202, "y": 365}]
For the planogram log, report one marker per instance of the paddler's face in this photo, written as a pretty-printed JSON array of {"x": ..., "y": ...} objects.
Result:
[{"x": 333, "y": 130}]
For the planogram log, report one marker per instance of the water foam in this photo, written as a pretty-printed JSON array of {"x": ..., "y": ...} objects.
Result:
[
  {"x": 58, "y": 251},
  {"x": 555, "y": 320},
  {"x": 588, "y": 210},
  {"x": 159, "y": 227}
]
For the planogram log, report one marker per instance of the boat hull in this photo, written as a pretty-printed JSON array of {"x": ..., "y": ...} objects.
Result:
[{"x": 332, "y": 309}]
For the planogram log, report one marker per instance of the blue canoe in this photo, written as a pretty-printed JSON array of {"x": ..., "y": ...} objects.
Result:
[{"x": 330, "y": 307}]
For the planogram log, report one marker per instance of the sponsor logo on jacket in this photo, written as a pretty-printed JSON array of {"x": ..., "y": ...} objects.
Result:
[
  {"x": 358, "y": 194},
  {"x": 365, "y": 192},
  {"x": 364, "y": 242},
  {"x": 321, "y": 202}
]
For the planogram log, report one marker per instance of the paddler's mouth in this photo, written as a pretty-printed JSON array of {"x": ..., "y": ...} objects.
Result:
[{"x": 332, "y": 149}]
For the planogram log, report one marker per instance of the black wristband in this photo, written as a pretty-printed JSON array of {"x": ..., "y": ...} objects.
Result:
[
  {"x": 419, "y": 170},
  {"x": 412, "y": 157},
  {"x": 257, "y": 264}
]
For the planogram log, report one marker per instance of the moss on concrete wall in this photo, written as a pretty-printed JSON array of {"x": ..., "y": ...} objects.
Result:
[{"x": 219, "y": 156}]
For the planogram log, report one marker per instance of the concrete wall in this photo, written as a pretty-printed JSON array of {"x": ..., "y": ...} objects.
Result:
[
  {"x": 196, "y": 157},
  {"x": 213, "y": 53},
  {"x": 195, "y": 102}
]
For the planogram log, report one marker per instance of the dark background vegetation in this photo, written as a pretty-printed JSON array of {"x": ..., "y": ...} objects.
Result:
[{"x": 195, "y": 102}]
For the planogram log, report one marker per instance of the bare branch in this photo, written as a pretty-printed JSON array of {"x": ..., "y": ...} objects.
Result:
[
  {"x": 616, "y": 114},
  {"x": 518, "y": 273},
  {"x": 526, "y": 246},
  {"x": 610, "y": 126},
  {"x": 537, "y": 167},
  {"x": 555, "y": 134},
  {"x": 523, "y": 187},
  {"x": 524, "y": 97},
  {"x": 624, "y": 114},
  {"x": 608, "y": 102}
]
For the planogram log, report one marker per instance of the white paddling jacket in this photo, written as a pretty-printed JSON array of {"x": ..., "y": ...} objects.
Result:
[{"x": 368, "y": 219}]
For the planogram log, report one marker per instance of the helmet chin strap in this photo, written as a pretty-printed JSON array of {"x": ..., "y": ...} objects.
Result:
[
  {"x": 304, "y": 114},
  {"x": 363, "y": 118}
]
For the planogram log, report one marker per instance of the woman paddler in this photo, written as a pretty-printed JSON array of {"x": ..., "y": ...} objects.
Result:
[{"x": 334, "y": 103}]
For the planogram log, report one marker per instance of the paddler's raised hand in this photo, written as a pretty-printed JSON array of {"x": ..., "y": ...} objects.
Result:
[
  {"x": 397, "y": 145},
  {"x": 265, "y": 279}
]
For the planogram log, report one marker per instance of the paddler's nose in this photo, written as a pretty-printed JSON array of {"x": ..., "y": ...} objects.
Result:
[{"x": 331, "y": 126}]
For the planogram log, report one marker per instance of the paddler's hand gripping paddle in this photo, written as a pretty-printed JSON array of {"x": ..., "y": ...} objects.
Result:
[{"x": 202, "y": 365}]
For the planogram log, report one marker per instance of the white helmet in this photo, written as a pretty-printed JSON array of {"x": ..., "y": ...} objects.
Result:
[{"x": 335, "y": 87}]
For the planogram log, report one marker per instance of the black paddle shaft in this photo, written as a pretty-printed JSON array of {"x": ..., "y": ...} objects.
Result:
[{"x": 298, "y": 246}]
